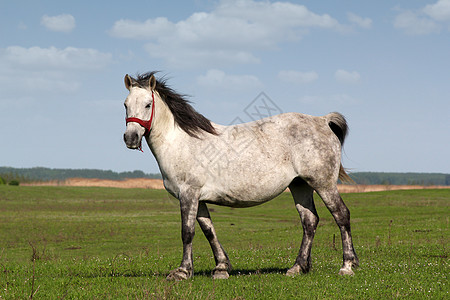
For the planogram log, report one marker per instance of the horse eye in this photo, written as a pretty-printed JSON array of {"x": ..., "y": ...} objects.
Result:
[
  {"x": 148, "y": 105},
  {"x": 125, "y": 106}
]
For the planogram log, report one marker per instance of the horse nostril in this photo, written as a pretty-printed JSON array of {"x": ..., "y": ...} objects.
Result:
[
  {"x": 131, "y": 138},
  {"x": 134, "y": 137}
]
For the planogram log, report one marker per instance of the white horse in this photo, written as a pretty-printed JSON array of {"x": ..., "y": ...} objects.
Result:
[{"x": 239, "y": 166}]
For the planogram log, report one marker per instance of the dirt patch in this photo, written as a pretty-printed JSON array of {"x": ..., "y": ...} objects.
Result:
[
  {"x": 125, "y": 184},
  {"x": 158, "y": 184}
]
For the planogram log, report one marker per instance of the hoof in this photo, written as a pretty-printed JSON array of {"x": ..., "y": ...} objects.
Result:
[
  {"x": 355, "y": 262},
  {"x": 344, "y": 271},
  {"x": 179, "y": 274},
  {"x": 220, "y": 274},
  {"x": 294, "y": 271}
]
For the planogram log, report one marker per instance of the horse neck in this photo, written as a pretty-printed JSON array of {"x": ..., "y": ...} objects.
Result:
[{"x": 163, "y": 125}]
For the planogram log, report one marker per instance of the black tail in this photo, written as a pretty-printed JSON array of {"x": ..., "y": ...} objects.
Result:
[{"x": 339, "y": 126}]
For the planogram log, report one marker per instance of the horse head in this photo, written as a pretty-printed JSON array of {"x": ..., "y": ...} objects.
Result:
[{"x": 140, "y": 110}]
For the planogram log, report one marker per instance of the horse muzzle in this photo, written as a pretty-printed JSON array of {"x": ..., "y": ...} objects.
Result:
[{"x": 132, "y": 139}]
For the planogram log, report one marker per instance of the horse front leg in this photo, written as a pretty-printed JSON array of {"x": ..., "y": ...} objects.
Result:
[
  {"x": 223, "y": 265},
  {"x": 189, "y": 207}
]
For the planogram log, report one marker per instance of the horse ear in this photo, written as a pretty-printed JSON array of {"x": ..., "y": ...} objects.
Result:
[
  {"x": 152, "y": 82},
  {"x": 128, "y": 81}
]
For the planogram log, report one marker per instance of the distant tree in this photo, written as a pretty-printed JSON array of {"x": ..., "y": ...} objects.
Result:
[
  {"x": 14, "y": 182},
  {"x": 2, "y": 181}
]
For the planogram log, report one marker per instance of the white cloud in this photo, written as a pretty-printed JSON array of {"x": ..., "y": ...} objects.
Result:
[
  {"x": 230, "y": 33},
  {"x": 219, "y": 79},
  {"x": 61, "y": 23},
  {"x": 440, "y": 11},
  {"x": 47, "y": 69},
  {"x": 183, "y": 57},
  {"x": 344, "y": 76},
  {"x": 50, "y": 82},
  {"x": 297, "y": 77},
  {"x": 414, "y": 24},
  {"x": 426, "y": 20},
  {"x": 149, "y": 29},
  {"x": 53, "y": 58},
  {"x": 365, "y": 23}
]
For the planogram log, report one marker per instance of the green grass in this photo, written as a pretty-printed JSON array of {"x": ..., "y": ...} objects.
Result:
[{"x": 105, "y": 243}]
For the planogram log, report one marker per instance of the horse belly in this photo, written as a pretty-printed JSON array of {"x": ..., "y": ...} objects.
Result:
[
  {"x": 237, "y": 201},
  {"x": 247, "y": 193}
]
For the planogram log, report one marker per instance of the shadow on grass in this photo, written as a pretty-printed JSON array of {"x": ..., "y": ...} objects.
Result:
[
  {"x": 237, "y": 272},
  {"x": 200, "y": 273}
]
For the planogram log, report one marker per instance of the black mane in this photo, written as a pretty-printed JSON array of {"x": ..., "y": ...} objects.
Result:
[{"x": 184, "y": 114}]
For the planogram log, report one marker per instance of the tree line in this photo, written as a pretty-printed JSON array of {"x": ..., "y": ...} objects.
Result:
[
  {"x": 9, "y": 174},
  {"x": 371, "y": 178},
  {"x": 46, "y": 174}
]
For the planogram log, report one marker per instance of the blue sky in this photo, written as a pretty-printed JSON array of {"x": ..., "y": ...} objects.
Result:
[{"x": 385, "y": 65}]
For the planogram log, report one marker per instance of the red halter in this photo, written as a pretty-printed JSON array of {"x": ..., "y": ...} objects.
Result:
[{"x": 146, "y": 124}]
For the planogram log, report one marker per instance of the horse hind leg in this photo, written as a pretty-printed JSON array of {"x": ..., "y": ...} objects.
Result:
[
  {"x": 223, "y": 265},
  {"x": 304, "y": 202},
  {"x": 341, "y": 214}
]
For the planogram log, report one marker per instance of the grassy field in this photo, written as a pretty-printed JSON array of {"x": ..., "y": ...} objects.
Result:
[{"x": 107, "y": 243}]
